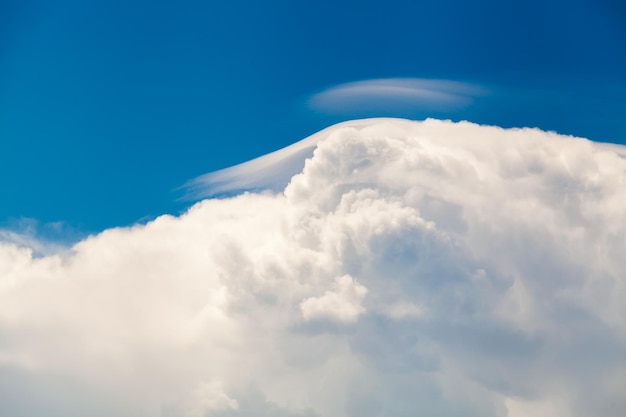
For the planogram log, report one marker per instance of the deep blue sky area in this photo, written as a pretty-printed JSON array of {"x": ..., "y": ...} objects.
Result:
[{"x": 106, "y": 107}]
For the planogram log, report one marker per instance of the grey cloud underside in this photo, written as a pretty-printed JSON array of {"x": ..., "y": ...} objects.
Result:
[{"x": 406, "y": 268}]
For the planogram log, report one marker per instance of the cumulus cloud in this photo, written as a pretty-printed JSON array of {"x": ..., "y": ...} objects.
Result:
[
  {"x": 389, "y": 96},
  {"x": 342, "y": 303},
  {"x": 410, "y": 268}
]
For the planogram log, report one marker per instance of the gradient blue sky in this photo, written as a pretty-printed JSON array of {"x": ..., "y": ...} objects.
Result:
[{"x": 106, "y": 107}]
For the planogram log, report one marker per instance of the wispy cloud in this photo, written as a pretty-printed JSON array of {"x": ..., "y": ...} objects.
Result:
[
  {"x": 268, "y": 172},
  {"x": 389, "y": 96},
  {"x": 41, "y": 239}
]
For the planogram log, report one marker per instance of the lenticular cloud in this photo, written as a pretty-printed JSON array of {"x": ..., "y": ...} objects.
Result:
[{"x": 411, "y": 268}]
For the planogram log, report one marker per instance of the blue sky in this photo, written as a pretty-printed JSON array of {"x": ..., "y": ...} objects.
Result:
[{"x": 107, "y": 107}]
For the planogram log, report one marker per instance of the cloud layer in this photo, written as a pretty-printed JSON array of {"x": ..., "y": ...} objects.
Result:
[{"x": 411, "y": 268}]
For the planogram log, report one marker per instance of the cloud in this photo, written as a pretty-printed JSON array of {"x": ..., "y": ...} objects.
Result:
[
  {"x": 207, "y": 397},
  {"x": 41, "y": 239},
  {"x": 432, "y": 268},
  {"x": 270, "y": 172},
  {"x": 343, "y": 303},
  {"x": 393, "y": 96}
]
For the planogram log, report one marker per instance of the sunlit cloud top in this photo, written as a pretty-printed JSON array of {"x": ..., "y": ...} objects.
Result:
[{"x": 270, "y": 172}]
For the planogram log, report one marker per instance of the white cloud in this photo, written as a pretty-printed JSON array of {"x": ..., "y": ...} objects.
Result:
[
  {"x": 430, "y": 268},
  {"x": 41, "y": 239},
  {"x": 393, "y": 95},
  {"x": 206, "y": 398},
  {"x": 343, "y": 303},
  {"x": 267, "y": 172}
]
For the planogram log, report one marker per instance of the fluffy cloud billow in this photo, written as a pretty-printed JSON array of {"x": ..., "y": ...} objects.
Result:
[{"x": 411, "y": 268}]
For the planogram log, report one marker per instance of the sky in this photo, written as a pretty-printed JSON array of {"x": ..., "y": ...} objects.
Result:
[
  {"x": 108, "y": 107},
  {"x": 312, "y": 209}
]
